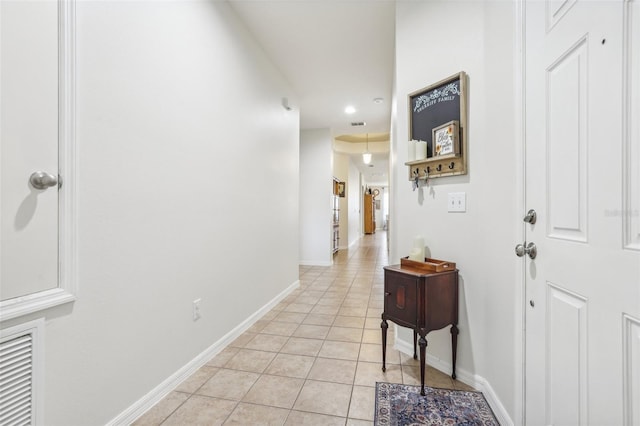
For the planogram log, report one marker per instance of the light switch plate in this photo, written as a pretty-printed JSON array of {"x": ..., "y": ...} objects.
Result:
[{"x": 457, "y": 202}]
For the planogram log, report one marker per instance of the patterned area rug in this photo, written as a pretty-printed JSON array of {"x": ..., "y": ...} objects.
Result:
[{"x": 400, "y": 405}]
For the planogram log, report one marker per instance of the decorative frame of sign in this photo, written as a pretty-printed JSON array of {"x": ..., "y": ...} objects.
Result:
[{"x": 445, "y": 140}]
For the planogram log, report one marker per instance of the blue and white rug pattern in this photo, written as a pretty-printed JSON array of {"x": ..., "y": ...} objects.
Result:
[{"x": 402, "y": 405}]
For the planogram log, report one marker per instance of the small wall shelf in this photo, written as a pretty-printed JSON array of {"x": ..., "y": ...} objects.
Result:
[{"x": 437, "y": 167}]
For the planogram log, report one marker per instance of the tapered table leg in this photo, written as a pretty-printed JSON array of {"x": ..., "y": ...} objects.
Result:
[
  {"x": 384, "y": 326},
  {"x": 423, "y": 349},
  {"x": 415, "y": 339},
  {"x": 454, "y": 347}
]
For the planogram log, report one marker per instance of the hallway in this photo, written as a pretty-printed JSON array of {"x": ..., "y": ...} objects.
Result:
[{"x": 314, "y": 359}]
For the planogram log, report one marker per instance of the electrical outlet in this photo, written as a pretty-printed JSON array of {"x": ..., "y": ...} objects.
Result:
[
  {"x": 196, "y": 309},
  {"x": 457, "y": 202}
]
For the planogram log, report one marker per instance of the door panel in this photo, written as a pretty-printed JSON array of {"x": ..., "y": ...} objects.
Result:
[
  {"x": 28, "y": 142},
  {"x": 567, "y": 144},
  {"x": 401, "y": 295},
  {"x": 567, "y": 332},
  {"x": 556, "y": 9},
  {"x": 583, "y": 282}
]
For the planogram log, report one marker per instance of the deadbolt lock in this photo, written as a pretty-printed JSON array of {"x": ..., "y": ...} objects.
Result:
[{"x": 531, "y": 217}]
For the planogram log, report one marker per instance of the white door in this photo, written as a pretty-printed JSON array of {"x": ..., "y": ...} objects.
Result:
[
  {"x": 583, "y": 287},
  {"x": 29, "y": 100}
]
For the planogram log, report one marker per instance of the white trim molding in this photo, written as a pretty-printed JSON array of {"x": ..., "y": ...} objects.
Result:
[
  {"x": 314, "y": 263},
  {"x": 631, "y": 127},
  {"x": 631, "y": 370},
  {"x": 66, "y": 290},
  {"x": 145, "y": 403},
  {"x": 520, "y": 276},
  {"x": 19, "y": 306}
]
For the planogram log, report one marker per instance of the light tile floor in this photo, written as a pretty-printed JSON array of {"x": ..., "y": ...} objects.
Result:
[{"x": 314, "y": 359}]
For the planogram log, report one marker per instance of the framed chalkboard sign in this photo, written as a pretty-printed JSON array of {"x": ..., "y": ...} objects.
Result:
[{"x": 437, "y": 107}]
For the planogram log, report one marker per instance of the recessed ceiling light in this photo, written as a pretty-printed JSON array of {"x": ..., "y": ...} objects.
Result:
[
  {"x": 350, "y": 109},
  {"x": 377, "y": 100}
]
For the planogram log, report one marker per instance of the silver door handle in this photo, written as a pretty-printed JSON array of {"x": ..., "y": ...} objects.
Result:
[
  {"x": 43, "y": 180},
  {"x": 530, "y": 249},
  {"x": 531, "y": 217}
]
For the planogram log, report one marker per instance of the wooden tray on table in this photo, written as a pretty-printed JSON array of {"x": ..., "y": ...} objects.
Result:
[{"x": 429, "y": 265}]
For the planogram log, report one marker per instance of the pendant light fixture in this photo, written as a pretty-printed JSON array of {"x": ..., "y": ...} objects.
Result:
[{"x": 366, "y": 157}]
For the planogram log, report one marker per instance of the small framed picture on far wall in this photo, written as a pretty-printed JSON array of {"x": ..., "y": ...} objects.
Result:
[{"x": 341, "y": 189}]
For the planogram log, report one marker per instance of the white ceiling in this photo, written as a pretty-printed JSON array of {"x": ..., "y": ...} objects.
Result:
[{"x": 334, "y": 53}]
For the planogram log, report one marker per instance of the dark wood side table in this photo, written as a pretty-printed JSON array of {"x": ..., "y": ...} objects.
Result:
[{"x": 423, "y": 301}]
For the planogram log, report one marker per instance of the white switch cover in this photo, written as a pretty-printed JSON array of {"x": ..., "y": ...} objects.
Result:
[
  {"x": 196, "y": 309},
  {"x": 457, "y": 202}
]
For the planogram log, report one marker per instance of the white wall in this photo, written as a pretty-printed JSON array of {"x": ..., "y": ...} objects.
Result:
[
  {"x": 316, "y": 190},
  {"x": 475, "y": 37},
  {"x": 188, "y": 188},
  {"x": 354, "y": 199}
]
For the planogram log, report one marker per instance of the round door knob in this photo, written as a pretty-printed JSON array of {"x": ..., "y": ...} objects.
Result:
[
  {"x": 42, "y": 180},
  {"x": 530, "y": 249}
]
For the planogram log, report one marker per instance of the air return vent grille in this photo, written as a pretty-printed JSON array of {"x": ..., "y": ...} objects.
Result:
[
  {"x": 15, "y": 381},
  {"x": 17, "y": 367}
]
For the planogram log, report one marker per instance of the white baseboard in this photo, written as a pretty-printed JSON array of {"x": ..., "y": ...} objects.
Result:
[
  {"x": 144, "y": 404},
  {"x": 494, "y": 402},
  {"x": 315, "y": 263},
  {"x": 466, "y": 377}
]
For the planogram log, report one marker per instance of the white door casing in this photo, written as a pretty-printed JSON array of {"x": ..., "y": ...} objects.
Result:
[
  {"x": 37, "y": 253},
  {"x": 631, "y": 202},
  {"x": 583, "y": 288},
  {"x": 631, "y": 127}
]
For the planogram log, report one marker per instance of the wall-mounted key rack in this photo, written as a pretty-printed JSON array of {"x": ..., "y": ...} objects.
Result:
[{"x": 436, "y": 167}]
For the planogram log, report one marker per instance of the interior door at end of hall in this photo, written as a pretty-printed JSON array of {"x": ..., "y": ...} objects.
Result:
[
  {"x": 583, "y": 280},
  {"x": 28, "y": 143}
]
